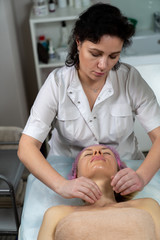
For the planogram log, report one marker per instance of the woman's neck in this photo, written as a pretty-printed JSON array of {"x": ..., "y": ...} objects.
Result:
[{"x": 107, "y": 197}]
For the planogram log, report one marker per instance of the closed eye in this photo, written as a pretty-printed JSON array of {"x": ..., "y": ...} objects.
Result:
[
  {"x": 95, "y": 55},
  {"x": 113, "y": 56},
  {"x": 87, "y": 154},
  {"x": 107, "y": 153}
]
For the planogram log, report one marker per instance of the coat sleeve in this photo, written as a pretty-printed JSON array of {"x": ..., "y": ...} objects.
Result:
[
  {"x": 144, "y": 101},
  {"x": 43, "y": 110}
]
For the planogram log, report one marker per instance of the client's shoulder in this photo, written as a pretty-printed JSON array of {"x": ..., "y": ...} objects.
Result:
[
  {"x": 60, "y": 210},
  {"x": 153, "y": 208},
  {"x": 145, "y": 202},
  {"x": 56, "y": 213},
  {"x": 148, "y": 204}
]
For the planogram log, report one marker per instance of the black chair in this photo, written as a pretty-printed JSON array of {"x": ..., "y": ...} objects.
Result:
[{"x": 11, "y": 170}]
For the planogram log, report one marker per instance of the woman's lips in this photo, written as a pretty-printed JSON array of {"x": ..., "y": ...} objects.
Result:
[
  {"x": 97, "y": 158},
  {"x": 99, "y": 74}
]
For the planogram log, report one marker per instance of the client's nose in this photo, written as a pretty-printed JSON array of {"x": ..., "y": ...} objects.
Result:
[{"x": 97, "y": 152}]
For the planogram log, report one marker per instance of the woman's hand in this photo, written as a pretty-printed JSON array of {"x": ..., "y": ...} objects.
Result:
[
  {"x": 81, "y": 187},
  {"x": 127, "y": 181}
]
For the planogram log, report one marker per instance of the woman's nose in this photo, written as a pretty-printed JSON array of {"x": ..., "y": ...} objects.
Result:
[
  {"x": 102, "y": 64},
  {"x": 97, "y": 152}
]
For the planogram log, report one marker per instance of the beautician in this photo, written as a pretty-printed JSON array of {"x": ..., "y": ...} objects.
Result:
[{"x": 93, "y": 100}]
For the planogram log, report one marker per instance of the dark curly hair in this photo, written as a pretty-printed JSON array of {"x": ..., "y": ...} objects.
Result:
[{"x": 98, "y": 20}]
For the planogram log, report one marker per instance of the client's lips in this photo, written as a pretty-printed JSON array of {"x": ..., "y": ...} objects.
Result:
[{"x": 97, "y": 158}]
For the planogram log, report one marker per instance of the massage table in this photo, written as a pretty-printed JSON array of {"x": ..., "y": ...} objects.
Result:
[{"x": 39, "y": 197}]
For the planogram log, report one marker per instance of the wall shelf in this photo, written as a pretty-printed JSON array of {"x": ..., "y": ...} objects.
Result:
[
  {"x": 61, "y": 14},
  {"x": 50, "y": 26}
]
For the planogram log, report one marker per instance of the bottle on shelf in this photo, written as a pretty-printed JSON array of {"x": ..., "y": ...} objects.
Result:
[
  {"x": 40, "y": 7},
  {"x": 51, "y": 6},
  {"x": 62, "y": 3},
  {"x": 51, "y": 51},
  {"x": 42, "y": 48},
  {"x": 42, "y": 40},
  {"x": 64, "y": 35},
  {"x": 62, "y": 51}
]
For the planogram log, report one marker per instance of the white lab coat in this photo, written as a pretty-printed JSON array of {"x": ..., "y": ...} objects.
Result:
[{"x": 62, "y": 103}]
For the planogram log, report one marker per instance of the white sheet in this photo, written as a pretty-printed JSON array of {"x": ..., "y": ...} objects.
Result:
[{"x": 38, "y": 197}]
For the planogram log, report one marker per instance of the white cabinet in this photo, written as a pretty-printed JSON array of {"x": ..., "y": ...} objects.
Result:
[{"x": 50, "y": 26}]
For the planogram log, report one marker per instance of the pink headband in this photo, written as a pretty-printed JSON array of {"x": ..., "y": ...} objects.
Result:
[{"x": 73, "y": 173}]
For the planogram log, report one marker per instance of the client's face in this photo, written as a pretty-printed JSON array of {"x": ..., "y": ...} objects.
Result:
[{"x": 97, "y": 161}]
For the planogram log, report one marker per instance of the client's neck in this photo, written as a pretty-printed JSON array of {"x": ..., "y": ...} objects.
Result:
[{"x": 107, "y": 197}]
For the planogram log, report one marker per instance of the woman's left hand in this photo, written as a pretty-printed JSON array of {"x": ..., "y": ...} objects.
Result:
[{"x": 127, "y": 181}]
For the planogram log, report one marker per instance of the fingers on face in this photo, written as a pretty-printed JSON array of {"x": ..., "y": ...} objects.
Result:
[
  {"x": 88, "y": 183},
  {"x": 119, "y": 175},
  {"x": 127, "y": 183},
  {"x": 87, "y": 195},
  {"x": 122, "y": 186},
  {"x": 119, "y": 179},
  {"x": 87, "y": 190}
]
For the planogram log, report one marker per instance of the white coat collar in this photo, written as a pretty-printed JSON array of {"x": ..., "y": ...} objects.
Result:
[
  {"x": 75, "y": 86},
  {"x": 77, "y": 95}
]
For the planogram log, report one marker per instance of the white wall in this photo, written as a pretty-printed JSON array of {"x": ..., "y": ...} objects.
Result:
[
  {"x": 142, "y": 10},
  {"x": 13, "y": 107}
]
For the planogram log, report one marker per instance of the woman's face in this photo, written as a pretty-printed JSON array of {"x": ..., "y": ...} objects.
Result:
[
  {"x": 96, "y": 60},
  {"x": 97, "y": 161}
]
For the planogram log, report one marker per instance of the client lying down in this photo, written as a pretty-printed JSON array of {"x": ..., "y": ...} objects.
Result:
[{"x": 110, "y": 217}]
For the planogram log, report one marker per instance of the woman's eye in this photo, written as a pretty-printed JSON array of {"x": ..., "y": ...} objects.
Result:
[
  {"x": 88, "y": 154},
  {"x": 113, "y": 57},
  {"x": 107, "y": 153},
  {"x": 95, "y": 54}
]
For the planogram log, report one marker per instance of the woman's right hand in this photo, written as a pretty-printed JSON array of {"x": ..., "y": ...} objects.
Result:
[{"x": 81, "y": 187}]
